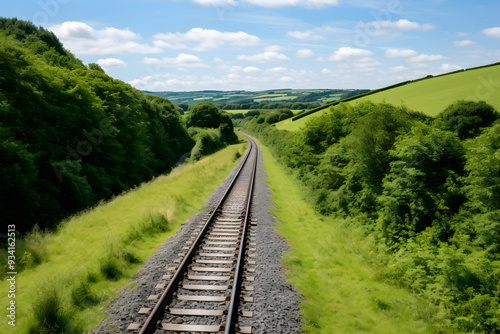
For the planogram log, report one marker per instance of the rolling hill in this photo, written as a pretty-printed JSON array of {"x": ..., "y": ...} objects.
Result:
[{"x": 430, "y": 95}]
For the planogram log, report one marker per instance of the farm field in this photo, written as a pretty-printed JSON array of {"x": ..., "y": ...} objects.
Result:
[
  {"x": 430, "y": 96},
  {"x": 224, "y": 98}
]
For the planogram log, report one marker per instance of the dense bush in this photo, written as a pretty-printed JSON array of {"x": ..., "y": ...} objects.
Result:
[
  {"x": 71, "y": 136},
  {"x": 428, "y": 196},
  {"x": 210, "y": 128},
  {"x": 466, "y": 118}
]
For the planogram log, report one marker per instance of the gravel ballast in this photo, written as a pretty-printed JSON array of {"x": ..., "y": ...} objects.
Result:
[{"x": 276, "y": 302}]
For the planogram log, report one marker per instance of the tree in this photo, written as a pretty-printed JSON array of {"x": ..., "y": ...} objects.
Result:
[
  {"x": 466, "y": 118},
  {"x": 95, "y": 67},
  {"x": 204, "y": 115},
  {"x": 422, "y": 188}
]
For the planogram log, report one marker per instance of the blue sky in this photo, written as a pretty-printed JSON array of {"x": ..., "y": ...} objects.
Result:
[{"x": 184, "y": 45}]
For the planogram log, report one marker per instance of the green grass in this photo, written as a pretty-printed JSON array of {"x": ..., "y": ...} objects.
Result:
[
  {"x": 93, "y": 254},
  {"x": 431, "y": 96},
  {"x": 337, "y": 270},
  {"x": 290, "y": 125}
]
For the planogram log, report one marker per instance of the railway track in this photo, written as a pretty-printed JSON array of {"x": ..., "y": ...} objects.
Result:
[{"x": 210, "y": 287}]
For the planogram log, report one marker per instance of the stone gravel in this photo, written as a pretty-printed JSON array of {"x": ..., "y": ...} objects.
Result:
[{"x": 276, "y": 302}]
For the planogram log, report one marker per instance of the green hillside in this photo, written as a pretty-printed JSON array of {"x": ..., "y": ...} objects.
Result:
[
  {"x": 430, "y": 95},
  {"x": 433, "y": 95}
]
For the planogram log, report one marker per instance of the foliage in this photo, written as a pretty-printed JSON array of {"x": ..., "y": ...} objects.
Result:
[
  {"x": 72, "y": 136},
  {"x": 429, "y": 196},
  {"x": 466, "y": 118},
  {"x": 210, "y": 128}
]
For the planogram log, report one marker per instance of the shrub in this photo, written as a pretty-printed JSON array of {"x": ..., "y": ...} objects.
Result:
[
  {"x": 466, "y": 118},
  {"x": 50, "y": 316},
  {"x": 82, "y": 296}
]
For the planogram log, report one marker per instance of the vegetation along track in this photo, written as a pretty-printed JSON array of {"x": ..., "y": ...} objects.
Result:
[{"x": 208, "y": 289}]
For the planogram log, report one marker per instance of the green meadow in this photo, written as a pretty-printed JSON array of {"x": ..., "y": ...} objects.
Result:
[
  {"x": 93, "y": 254},
  {"x": 338, "y": 270},
  {"x": 430, "y": 96},
  {"x": 433, "y": 95}
]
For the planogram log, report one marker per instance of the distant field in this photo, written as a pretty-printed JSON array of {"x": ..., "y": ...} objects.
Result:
[
  {"x": 307, "y": 97},
  {"x": 243, "y": 111},
  {"x": 431, "y": 96}
]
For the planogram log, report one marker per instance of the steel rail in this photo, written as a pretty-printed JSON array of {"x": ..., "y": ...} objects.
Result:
[
  {"x": 233, "y": 306},
  {"x": 166, "y": 297}
]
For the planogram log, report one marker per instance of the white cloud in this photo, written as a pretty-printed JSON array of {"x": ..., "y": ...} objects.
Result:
[
  {"x": 392, "y": 53},
  {"x": 111, "y": 63},
  {"x": 82, "y": 39},
  {"x": 199, "y": 39},
  {"x": 310, "y": 4},
  {"x": 348, "y": 53},
  {"x": 317, "y": 34},
  {"x": 216, "y": 2},
  {"x": 463, "y": 43},
  {"x": 182, "y": 61},
  {"x": 424, "y": 58},
  {"x": 278, "y": 69},
  {"x": 492, "y": 32},
  {"x": 285, "y": 79},
  {"x": 381, "y": 28},
  {"x": 449, "y": 67},
  {"x": 304, "y": 53},
  {"x": 265, "y": 57},
  {"x": 397, "y": 69},
  {"x": 251, "y": 69}
]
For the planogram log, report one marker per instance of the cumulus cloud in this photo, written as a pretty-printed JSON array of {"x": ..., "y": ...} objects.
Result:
[
  {"x": 348, "y": 53},
  {"x": 403, "y": 53},
  {"x": 278, "y": 69},
  {"x": 381, "y": 28},
  {"x": 109, "y": 63},
  {"x": 397, "y": 69},
  {"x": 216, "y": 2},
  {"x": 316, "y": 34},
  {"x": 449, "y": 67},
  {"x": 182, "y": 61},
  {"x": 304, "y": 53},
  {"x": 82, "y": 39},
  {"x": 492, "y": 32},
  {"x": 463, "y": 43},
  {"x": 265, "y": 57},
  {"x": 309, "y": 4},
  {"x": 199, "y": 39},
  {"x": 425, "y": 58}
]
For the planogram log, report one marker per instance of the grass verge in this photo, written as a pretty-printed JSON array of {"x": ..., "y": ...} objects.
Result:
[
  {"x": 338, "y": 270},
  {"x": 93, "y": 254}
]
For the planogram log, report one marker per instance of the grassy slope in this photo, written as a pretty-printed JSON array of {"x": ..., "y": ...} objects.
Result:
[
  {"x": 335, "y": 269},
  {"x": 75, "y": 250},
  {"x": 432, "y": 96}
]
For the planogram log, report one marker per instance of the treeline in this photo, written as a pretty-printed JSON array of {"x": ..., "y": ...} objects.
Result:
[
  {"x": 282, "y": 104},
  {"x": 71, "y": 136},
  {"x": 428, "y": 189},
  {"x": 267, "y": 116}
]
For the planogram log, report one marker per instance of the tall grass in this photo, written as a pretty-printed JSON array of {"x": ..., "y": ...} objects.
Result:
[
  {"x": 50, "y": 315},
  {"x": 94, "y": 253}
]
